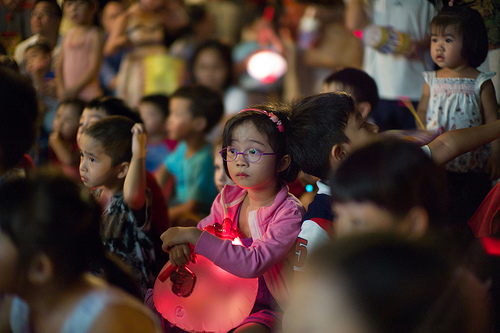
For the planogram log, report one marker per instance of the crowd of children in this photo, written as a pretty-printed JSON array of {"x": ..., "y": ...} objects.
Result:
[{"x": 127, "y": 147}]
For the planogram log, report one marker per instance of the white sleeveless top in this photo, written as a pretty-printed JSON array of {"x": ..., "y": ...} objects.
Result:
[
  {"x": 455, "y": 103},
  {"x": 84, "y": 314}
]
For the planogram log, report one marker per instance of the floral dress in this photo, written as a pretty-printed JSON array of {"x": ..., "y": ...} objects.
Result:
[{"x": 455, "y": 103}]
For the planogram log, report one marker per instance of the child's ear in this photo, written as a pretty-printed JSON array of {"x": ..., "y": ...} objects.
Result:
[
  {"x": 364, "y": 108},
  {"x": 338, "y": 153},
  {"x": 284, "y": 163},
  {"x": 200, "y": 123},
  {"x": 416, "y": 222},
  {"x": 122, "y": 169},
  {"x": 40, "y": 269}
]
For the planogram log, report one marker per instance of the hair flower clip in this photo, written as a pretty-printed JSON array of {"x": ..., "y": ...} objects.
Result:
[
  {"x": 277, "y": 121},
  {"x": 272, "y": 116}
]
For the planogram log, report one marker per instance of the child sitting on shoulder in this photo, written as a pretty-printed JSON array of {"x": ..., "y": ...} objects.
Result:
[
  {"x": 113, "y": 166},
  {"x": 38, "y": 59},
  {"x": 194, "y": 111},
  {"x": 154, "y": 113},
  {"x": 63, "y": 148}
]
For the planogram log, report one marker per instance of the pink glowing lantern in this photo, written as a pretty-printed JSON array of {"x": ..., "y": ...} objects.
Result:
[
  {"x": 202, "y": 297},
  {"x": 266, "y": 66}
]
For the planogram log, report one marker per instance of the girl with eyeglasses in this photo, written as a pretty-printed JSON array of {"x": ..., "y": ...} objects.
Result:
[{"x": 267, "y": 217}]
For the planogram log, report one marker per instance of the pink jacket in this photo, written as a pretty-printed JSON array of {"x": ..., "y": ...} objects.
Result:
[{"x": 274, "y": 232}]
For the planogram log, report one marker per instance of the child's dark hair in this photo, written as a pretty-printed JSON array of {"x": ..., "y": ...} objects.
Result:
[
  {"x": 77, "y": 103},
  {"x": 48, "y": 212},
  {"x": 114, "y": 134},
  {"x": 18, "y": 117},
  {"x": 9, "y": 62},
  {"x": 357, "y": 83},
  {"x": 277, "y": 140},
  {"x": 395, "y": 175},
  {"x": 159, "y": 100},
  {"x": 398, "y": 284},
  {"x": 318, "y": 123},
  {"x": 55, "y": 6},
  {"x": 470, "y": 25},
  {"x": 204, "y": 102},
  {"x": 40, "y": 46},
  {"x": 224, "y": 52},
  {"x": 113, "y": 106}
]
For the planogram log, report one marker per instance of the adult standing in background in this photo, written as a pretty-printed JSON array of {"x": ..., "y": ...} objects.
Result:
[
  {"x": 45, "y": 20},
  {"x": 396, "y": 74}
]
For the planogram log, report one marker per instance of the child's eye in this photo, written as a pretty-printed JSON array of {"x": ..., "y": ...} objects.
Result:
[
  {"x": 449, "y": 40},
  {"x": 81, "y": 155},
  {"x": 91, "y": 159},
  {"x": 253, "y": 151},
  {"x": 231, "y": 150},
  {"x": 434, "y": 40}
]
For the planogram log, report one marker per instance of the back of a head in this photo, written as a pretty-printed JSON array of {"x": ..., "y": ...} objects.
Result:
[
  {"x": 397, "y": 176},
  {"x": 396, "y": 284},
  {"x": 358, "y": 83},
  {"x": 160, "y": 101},
  {"x": 47, "y": 212},
  {"x": 204, "y": 102},
  {"x": 113, "y": 106},
  {"x": 114, "y": 134},
  {"x": 18, "y": 115},
  {"x": 470, "y": 24},
  {"x": 317, "y": 124}
]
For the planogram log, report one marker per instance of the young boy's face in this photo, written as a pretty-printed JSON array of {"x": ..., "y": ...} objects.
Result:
[
  {"x": 37, "y": 61},
  {"x": 66, "y": 122},
  {"x": 153, "y": 119},
  {"x": 180, "y": 121},
  {"x": 359, "y": 132},
  {"x": 88, "y": 117},
  {"x": 96, "y": 167}
]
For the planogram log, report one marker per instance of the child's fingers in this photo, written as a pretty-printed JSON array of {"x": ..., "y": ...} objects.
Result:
[
  {"x": 179, "y": 256},
  {"x": 138, "y": 128}
]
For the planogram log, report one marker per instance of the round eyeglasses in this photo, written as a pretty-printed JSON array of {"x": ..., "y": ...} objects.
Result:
[{"x": 251, "y": 155}]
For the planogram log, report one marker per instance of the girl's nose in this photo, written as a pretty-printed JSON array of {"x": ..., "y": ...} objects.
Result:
[{"x": 240, "y": 160}]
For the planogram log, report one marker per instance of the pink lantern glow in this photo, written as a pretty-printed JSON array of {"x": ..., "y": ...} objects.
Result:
[{"x": 202, "y": 297}]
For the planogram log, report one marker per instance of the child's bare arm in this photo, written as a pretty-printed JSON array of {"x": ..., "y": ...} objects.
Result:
[
  {"x": 66, "y": 155},
  {"x": 117, "y": 37},
  {"x": 134, "y": 187},
  {"x": 355, "y": 15},
  {"x": 454, "y": 143},
  {"x": 92, "y": 71},
  {"x": 59, "y": 75},
  {"x": 423, "y": 105},
  {"x": 490, "y": 114}
]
